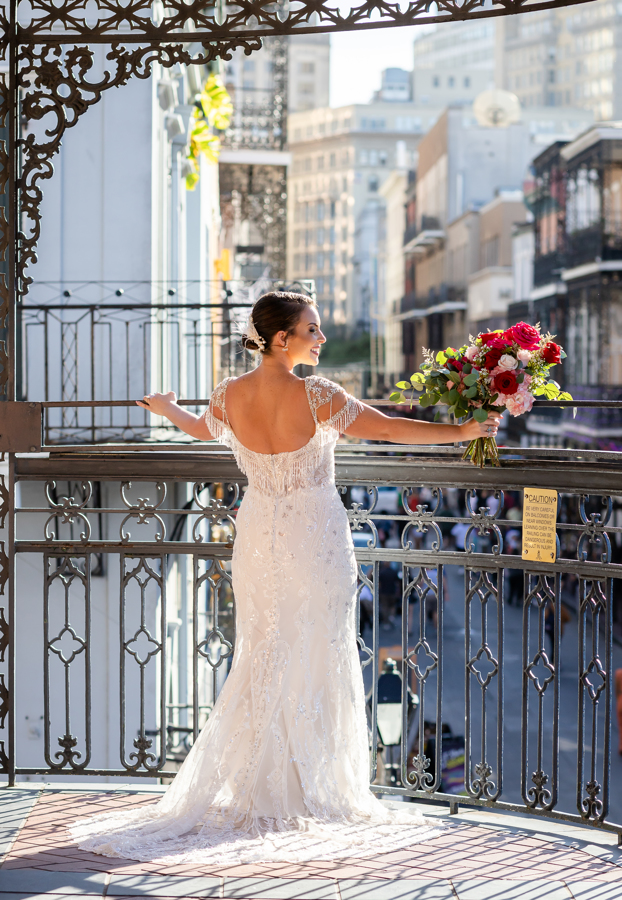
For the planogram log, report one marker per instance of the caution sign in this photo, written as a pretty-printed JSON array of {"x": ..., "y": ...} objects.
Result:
[{"x": 539, "y": 524}]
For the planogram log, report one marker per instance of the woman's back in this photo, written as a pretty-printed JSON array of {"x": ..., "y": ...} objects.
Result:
[{"x": 269, "y": 413}]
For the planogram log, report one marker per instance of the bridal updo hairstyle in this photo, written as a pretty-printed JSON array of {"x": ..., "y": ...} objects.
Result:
[{"x": 274, "y": 312}]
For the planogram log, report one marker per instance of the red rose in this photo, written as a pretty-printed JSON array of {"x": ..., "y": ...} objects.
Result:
[
  {"x": 489, "y": 337},
  {"x": 505, "y": 383},
  {"x": 552, "y": 353},
  {"x": 456, "y": 365},
  {"x": 526, "y": 336},
  {"x": 492, "y": 357}
]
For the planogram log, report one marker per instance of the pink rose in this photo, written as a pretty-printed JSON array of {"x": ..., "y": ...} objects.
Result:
[
  {"x": 507, "y": 362},
  {"x": 524, "y": 356},
  {"x": 500, "y": 401},
  {"x": 527, "y": 379},
  {"x": 471, "y": 353},
  {"x": 519, "y": 403},
  {"x": 526, "y": 336}
]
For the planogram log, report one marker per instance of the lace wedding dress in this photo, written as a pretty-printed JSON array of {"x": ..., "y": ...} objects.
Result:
[{"x": 281, "y": 769}]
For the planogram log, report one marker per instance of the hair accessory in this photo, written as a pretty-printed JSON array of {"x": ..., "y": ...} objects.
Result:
[{"x": 253, "y": 335}]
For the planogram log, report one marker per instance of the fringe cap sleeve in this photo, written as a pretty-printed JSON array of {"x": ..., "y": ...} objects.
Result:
[
  {"x": 343, "y": 408},
  {"x": 218, "y": 425}
]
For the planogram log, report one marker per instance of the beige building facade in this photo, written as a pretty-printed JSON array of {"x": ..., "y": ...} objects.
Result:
[
  {"x": 340, "y": 160},
  {"x": 564, "y": 57}
]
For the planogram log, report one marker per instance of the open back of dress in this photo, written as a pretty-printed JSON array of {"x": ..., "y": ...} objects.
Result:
[{"x": 281, "y": 769}]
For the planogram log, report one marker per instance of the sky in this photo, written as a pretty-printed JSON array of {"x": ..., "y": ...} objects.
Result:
[{"x": 358, "y": 58}]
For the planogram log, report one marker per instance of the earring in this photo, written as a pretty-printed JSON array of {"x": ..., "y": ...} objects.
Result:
[{"x": 284, "y": 349}]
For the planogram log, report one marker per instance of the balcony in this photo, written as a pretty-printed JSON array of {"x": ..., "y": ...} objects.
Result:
[{"x": 502, "y": 715}]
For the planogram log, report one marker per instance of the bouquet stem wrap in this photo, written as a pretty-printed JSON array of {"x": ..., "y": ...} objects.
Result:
[{"x": 482, "y": 449}]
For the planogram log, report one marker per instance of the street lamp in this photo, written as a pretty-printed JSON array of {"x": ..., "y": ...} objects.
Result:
[{"x": 389, "y": 713}]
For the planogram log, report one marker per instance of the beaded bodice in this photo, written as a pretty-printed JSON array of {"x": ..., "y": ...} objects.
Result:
[{"x": 310, "y": 466}]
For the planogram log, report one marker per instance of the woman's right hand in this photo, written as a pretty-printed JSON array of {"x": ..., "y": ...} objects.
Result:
[
  {"x": 158, "y": 404},
  {"x": 473, "y": 429}
]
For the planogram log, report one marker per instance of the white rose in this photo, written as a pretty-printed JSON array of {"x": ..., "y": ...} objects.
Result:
[
  {"x": 471, "y": 353},
  {"x": 507, "y": 362},
  {"x": 524, "y": 356}
]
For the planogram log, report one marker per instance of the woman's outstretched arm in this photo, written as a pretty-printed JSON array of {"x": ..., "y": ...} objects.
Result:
[
  {"x": 166, "y": 405},
  {"x": 373, "y": 425}
]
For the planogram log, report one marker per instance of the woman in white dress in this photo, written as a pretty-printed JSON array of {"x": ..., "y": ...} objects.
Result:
[{"x": 281, "y": 769}]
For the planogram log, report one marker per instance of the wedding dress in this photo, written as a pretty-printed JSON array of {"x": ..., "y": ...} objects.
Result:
[{"x": 281, "y": 769}]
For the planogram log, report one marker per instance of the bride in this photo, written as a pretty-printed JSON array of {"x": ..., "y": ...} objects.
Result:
[{"x": 281, "y": 769}]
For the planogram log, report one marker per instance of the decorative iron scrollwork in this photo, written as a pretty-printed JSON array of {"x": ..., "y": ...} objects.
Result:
[
  {"x": 143, "y": 511},
  {"x": 484, "y": 522},
  {"x": 68, "y": 511},
  {"x": 214, "y": 511},
  {"x": 422, "y": 518},
  {"x": 594, "y": 530},
  {"x": 56, "y": 87}
]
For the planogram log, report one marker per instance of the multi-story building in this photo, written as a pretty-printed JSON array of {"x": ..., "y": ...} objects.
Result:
[
  {"x": 287, "y": 74},
  {"x": 396, "y": 86},
  {"x": 570, "y": 56},
  {"x": 309, "y": 71},
  {"x": 490, "y": 287},
  {"x": 340, "y": 159},
  {"x": 454, "y": 63},
  {"x": 460, "y": 213}
]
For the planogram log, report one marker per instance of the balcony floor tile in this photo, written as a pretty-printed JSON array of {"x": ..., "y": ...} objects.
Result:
[
  {"x": 163, "y": 886},
  {"x": 406, "y": 889},
  {"x": 280, "y": 889},
  {"x": 477, "y": 889},
  {"x": 593, "y": 890},
  {"x": 35, "y": 881}
]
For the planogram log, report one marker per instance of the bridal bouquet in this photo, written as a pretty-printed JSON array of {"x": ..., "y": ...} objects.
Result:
[{"x": 495, "y": 371}]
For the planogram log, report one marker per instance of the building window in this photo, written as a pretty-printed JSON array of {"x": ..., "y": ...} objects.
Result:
[
  {"x": 363, "y": 157},
  {"x": 451, "y": 81},
  {"x": 331, "y": 232},
  {"x": 249, "y": 65},
  {"x": 306, "y": 88},
  {"x": 321, "y": 210},
  {"x": 372, "y": 184},
  {"x": 383, "y": 157},
  {"x": 333, "y": 160},
  {"x": 320, "y": 163},
  {"x": 332, "y": 209},
  {"x": 320, "y": 262},
  {"x": 320, "y": 286},
  {"x": 306, "y": 68},
  {"x": 467, "y": 82},
  {"x": 344, "y": 282},
  {"x": 331, "y": 262},
  {"x": 297, "y": 134},
  {"x": 307, "y": 262},
  {"x": 436, "y": 81},
  {"x": 373, "y": 157},
  {"x": 320, "y": 237}
]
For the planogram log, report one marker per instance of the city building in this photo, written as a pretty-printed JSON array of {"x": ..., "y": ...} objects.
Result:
[
  {"x": 396, "y": 86},
  {"x": 340, "y": 160},
  {"x": 309, "y": 71},
  {"x": 461, "y": 209},
  {"x": 490, "y": 287},
  {"x": 386, "y": 329},
  {"x": 453, "y": 63},
  {"x": 564, "y": 57}
]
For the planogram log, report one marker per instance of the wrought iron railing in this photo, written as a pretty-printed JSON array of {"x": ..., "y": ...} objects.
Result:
[
  {"x": 93, "y": 341},
  {"x": 130, "y": 551}
]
